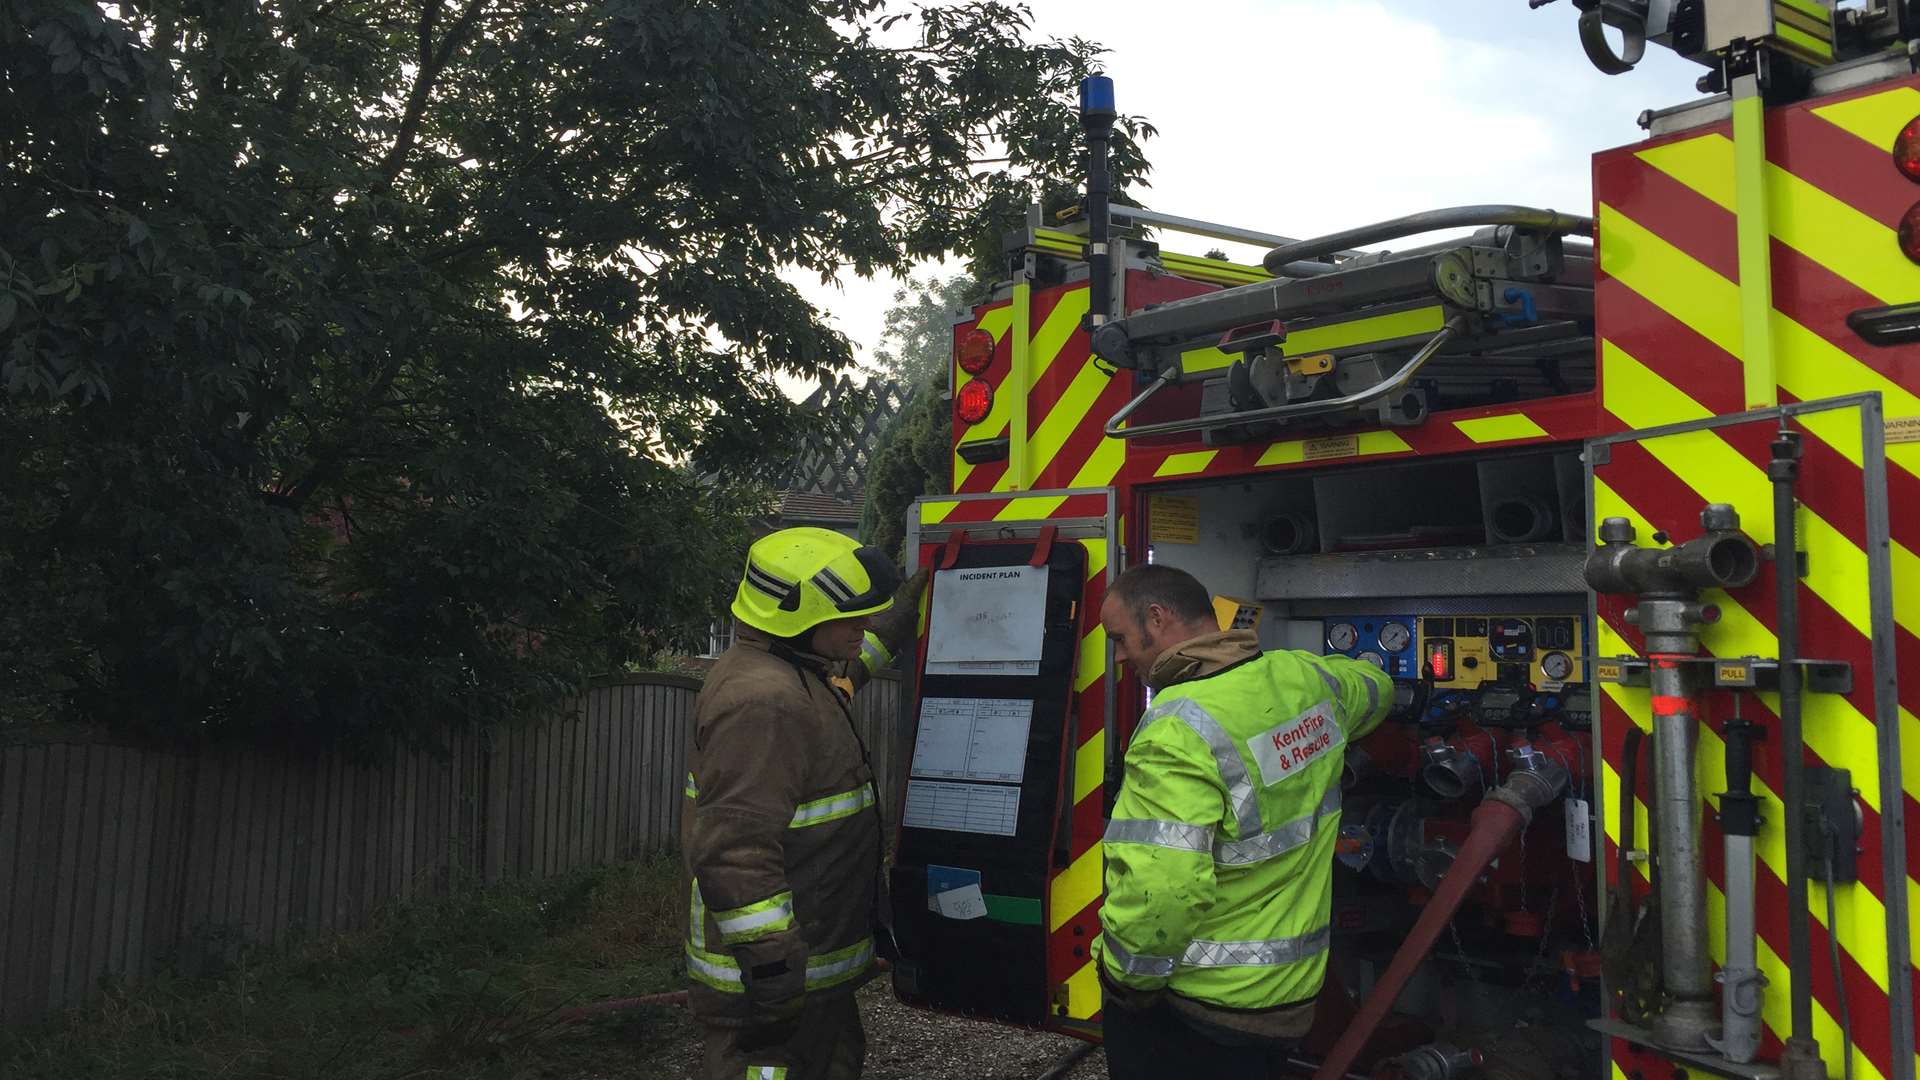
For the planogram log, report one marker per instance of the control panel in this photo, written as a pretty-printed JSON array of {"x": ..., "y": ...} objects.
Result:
[
  {"x": 1463, "y": 651},
  {"x": 1386, "y": 641}
]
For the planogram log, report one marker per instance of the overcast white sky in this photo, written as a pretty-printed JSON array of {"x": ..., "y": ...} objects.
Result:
[{"x": 1301, "y": 117}]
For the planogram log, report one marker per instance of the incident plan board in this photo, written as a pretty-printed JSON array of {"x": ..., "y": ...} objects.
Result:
[{"x": 983, "y": 740}]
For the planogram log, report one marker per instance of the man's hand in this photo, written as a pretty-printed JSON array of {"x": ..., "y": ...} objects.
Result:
[
  {"x": 775, "y": 975},
  {"x": 895, "y": 626}
]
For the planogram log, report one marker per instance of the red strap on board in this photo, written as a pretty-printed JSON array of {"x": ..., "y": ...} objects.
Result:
[
  {"x": 955, "y": 540},
  {"x": 1043, "y": 550}
]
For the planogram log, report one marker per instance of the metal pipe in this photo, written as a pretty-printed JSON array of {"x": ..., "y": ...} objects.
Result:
[
  {"x": 1685, "y": 966},
  {"x": 1294, "y": 411},
  {"x": 1456, "y": 217},
  {"x": 1096, "y": 116},
  {"x": 1802, "y": 1054},
  {"x": 1497, "y": 821},
  {"x": 1742, "y": 986}
]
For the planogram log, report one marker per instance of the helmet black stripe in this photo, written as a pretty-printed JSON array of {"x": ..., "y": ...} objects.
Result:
[{"x": 836, "y": 589}]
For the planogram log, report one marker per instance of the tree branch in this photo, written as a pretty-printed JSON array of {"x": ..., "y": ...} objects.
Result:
[{"x": 432, "y": 63}]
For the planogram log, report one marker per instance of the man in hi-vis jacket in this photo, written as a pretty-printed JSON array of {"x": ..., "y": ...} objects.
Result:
[
  {"x": 1219, "y": 853},
  {"x": 782, "y": 835}
]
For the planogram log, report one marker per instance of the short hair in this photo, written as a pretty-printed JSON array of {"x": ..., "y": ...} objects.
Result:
[{"x": 1179, "y": 592}]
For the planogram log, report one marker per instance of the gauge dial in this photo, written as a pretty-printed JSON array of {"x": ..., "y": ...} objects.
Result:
[
  {"x": 1342, "y": 636},
  {"x": 1375, "y": 659},
  {"x": 1394, "y": 637},
  {"x": 1556, "y": 666}
]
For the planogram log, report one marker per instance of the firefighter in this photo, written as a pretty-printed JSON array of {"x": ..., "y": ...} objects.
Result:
[
  {"x": 1219, "y": 852},
  {"x": 782, "y": 831}
]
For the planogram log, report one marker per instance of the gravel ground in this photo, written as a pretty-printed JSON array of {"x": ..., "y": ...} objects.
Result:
[{"x": 908, "y": 1044}]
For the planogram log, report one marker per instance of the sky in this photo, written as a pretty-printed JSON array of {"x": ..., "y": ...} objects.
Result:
[{"x": 1301, "y": 117}]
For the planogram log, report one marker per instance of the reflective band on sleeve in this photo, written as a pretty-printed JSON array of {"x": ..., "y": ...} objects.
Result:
[
  {"x": 1152, "y": 967},
  {"x": 1279, "y": 841},
  {"x": 1177, "y": 835},
  {"x": 874, "y": 654},
  {"x": 766, "y": 1072},
  {"x": 720, "y": 972},
  {"x": 755, "y": 921},
  {"x": 840, "y": 965},
  {"x": 832, "y": 808},
  {"x": 1272, "y": 953},
  {"x": 697, "y": 918},
  {"x": 693, "y": 789},
  {"x": 1373, "y": 696},
  {"x": 1233, "y": 770},
  {"x": 1333, "y": 688}
]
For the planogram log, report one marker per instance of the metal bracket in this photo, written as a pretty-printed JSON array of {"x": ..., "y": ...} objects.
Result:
[
  {"x": 1712, "y": 1063},
  {"x": 1737, "y": 673},
  {"x": 1831, "y": 812}
]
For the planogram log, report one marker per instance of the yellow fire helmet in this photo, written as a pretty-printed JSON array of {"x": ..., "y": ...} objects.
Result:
[{"x": 797, "y": 579}]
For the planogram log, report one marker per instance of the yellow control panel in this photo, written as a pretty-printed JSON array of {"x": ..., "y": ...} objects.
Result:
[{"x": 1462, "y": 651}]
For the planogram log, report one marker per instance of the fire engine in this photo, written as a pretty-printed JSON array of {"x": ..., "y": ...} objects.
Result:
[{"x": 1627, "y": 503}]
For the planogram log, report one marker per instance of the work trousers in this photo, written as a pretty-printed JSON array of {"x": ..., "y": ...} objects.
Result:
[
  {"x": 1156, "y": 1044},
  {"x": 825, "y": 1042}
]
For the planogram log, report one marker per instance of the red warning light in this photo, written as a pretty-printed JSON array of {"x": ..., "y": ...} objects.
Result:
[
  {"x": 1909, "y": 233},
  {"x": 975, "y": 352},
  {"x": 1440, "y": 660},
  {"x": 975, "y": 402},
  {"x": 1906, "y": 150}
]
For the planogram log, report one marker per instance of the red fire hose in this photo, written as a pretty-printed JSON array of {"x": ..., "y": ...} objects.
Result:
[{"x": 1498, "y": 819}]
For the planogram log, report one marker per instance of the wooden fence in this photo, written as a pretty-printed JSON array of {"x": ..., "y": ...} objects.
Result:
[{"x": 117, "y": 861}]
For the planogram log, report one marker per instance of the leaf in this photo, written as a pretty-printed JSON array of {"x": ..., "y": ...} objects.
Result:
[
  {"x": 137, "y": 232},
  {"x": 9, "y": 306}
]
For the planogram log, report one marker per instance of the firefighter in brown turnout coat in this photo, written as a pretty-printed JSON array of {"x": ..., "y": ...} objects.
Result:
[{"x": 782, "y": 832}]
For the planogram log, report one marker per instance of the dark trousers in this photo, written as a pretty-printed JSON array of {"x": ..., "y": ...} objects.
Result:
[
  {"x": 824, "y": 1043},
  {"x": 1157, "y": 1045}
]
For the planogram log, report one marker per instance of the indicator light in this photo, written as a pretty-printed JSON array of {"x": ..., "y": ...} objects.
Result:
[{"x": 975, "y": 402}]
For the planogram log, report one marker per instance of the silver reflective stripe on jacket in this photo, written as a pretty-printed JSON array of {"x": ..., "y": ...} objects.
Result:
[
  {"x": 1153, "y": 967},
  {"x": 1177, "y": 835},
  {"x": 1271, "y": 953},
  {"x": 1333, "y": 690},
  {"x": 1233, "y": 770},
  {"x": 1279, "y": 841}
]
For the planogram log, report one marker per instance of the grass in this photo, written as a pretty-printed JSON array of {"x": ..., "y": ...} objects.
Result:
[{"x": 477, "y": 985}]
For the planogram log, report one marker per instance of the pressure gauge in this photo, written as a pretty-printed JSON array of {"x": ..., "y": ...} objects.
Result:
[
  {"x": 1342, "y": 636},
  {"x": 1556, "y": 666},
  {"x": 1375, "y": 659},
  {"x": 1394, "y": 637}
]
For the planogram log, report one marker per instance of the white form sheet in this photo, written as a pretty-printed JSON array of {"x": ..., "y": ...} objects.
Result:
[
  {"x": 976, "y": 808},
  {"x": 987, "y": 620},
  {"x": 973, "y": 739}
]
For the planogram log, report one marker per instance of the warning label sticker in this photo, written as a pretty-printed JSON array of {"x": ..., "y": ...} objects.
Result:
[
  {"x": 1903, "y": 429},
  {"x": 1286, "y": 751},
  {"x": 1337, "y": 447},
  {"x": 1176, "y": 520}
]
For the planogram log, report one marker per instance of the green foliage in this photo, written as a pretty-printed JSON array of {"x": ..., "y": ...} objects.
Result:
[
  {"x": 480, "y": 984},
  {"x": 917, "y": 343},
  {"x": 359, "y": 358}
]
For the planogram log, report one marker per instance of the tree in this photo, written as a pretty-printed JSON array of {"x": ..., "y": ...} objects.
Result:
[
  {"x": 360, "y": 357},
  {"x": 918, "y": 339}
]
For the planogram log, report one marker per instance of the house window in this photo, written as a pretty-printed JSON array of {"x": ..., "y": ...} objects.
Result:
[{"x": 720, "y": 633}]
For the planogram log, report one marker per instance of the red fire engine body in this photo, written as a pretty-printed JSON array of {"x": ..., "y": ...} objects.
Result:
[{"x": 1539, "y": 473}]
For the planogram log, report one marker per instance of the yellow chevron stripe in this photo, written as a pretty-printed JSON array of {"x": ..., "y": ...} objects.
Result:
[
  {"x": 1076, "y": 887},
  {"x": 995, "y": 322},
  {"x": 1182, "y": 464},
  {"x": 935, "y": 512},
  {"x": 1030, "y": 509},
  {"x": 1340, "y": 335},
  {"x": 1083, "y": 993},
  {"x": 1827, "y": 230},
  {"x": 1089, "y": 766},
  {"x": 1093, "y": 659},
  {"x": 1491, "y": 429},
  {"x": 1096, "y": 557},
  {"x": 1797, "y": 40},
  {"x": 1067, "y": 414},
  {"x": 1812, "y": 10},
  {"x": 1370, "y": 443},
  {"x": 1876, "y": 118},
  {"x": 1810, "y": 366},
  {"x": 1836, "y": 730},
  {"x": 1052, "y": 337},
  {"x": 1776, "y": 1008},
  {"x": 1102, "y": 465}
]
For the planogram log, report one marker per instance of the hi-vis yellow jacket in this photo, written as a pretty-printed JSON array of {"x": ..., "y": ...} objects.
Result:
[{"x": 1220, "y": 851}]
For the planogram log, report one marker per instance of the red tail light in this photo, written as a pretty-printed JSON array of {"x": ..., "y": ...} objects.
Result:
[
  {"x": 1906, "y": 150},
  {"x": 1910, "y": 233},
  {"x": 975, "y": 401},
  {"x": 975, "y": 352}
]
